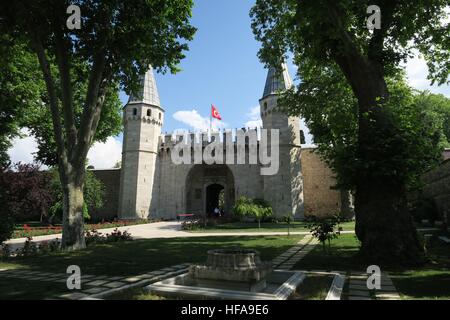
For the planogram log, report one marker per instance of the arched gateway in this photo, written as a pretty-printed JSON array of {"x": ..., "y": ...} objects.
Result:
[{"x": 204, "y": 185}]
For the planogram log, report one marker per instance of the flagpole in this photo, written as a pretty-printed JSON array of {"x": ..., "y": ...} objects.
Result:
[{"x": 210, "y": 121}]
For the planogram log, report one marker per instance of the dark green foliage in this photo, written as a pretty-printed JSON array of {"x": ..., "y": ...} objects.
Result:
[
  {"x": 325, "y": 229},
  {"x": 6, "y": 226},
  {"x": 330, "y": 110},
  {"x": 94, "y": 192},
  {"x": 385, "y": 147},
  {"x": 257, "y": 208}
]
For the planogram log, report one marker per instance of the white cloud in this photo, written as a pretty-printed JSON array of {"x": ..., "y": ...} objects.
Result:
[
  {"x": 196, "y": 121},
  {"x": 22, "y": 149},
  {"x": 254, "y": 118},
  {"x": 417, "y": 72},
  {"x": 105, "y": 155},
  {"x": 101, "y": 155}
]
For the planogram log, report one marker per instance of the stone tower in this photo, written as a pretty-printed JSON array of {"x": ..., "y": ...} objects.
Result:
[
  {"x": 283, "y": 190},
  {"x": 143, "y": 118}
]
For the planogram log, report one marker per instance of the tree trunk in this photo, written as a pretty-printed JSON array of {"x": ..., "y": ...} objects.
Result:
[
  {"x": 347, "y": 210},
  {"x": 383, "y": 223},
  {"x": 73, "y": 223}
]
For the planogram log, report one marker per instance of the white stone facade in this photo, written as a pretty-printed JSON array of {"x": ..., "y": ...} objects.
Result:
[{"x": 152, "y": 186}]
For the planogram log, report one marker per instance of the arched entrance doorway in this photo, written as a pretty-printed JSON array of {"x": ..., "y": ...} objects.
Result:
[
  {"x": 208, "y": 187},
  {"x": 213, "y": 193}
]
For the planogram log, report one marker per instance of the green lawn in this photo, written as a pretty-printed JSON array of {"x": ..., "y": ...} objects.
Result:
[
  {"x": 265, "y": 227},
  {"x": 14, "y": 289},
  {"x": 314, "y": 287},
  {"x": 139, "y": 256},
  {"x": 431, "y": 281}
]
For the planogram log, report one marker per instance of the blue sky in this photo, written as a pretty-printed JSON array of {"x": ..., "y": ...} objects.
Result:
[{"x": 221, "y": 68}]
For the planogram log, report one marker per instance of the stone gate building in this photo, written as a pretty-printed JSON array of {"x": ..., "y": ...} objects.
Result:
[{"x": 152, "y": 186}]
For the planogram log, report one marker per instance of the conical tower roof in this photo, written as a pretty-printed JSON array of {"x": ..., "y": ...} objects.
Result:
[
  {"x": 277, "y": 82},
  {"x": 148, "y": 92}
]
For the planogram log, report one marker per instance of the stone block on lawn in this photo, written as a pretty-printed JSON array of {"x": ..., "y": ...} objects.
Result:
[
  {"x": 114, "y": 284},
  {"x": 94, "y": 290},
  {"x": 73, "y": 295},
  {"x": 96, "y": 283}
]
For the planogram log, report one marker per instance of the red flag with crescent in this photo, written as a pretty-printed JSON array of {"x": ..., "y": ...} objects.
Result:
[{"x": 215, "y": 113}]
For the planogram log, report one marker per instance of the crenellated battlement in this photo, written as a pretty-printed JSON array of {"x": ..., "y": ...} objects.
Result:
[{"x": 169, "y": 140}]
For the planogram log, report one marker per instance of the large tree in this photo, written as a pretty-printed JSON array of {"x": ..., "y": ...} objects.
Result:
[
  {"x": 116, "y": 43},
  {"x": 24, "y": 102},
  {"x": 327, "y": 32}
]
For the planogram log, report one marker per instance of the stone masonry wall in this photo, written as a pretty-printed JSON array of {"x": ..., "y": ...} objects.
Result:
[
  {"x": 437, "y": 186},
  {"x": 320, "y": 199}
]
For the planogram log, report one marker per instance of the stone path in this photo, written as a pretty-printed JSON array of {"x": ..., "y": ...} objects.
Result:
[
  {"x": 166, "y": 229},
  {"x": 288, "y": 259},
  {"x": 357, "y": 289},
  {"x": 95, "y": 286}
]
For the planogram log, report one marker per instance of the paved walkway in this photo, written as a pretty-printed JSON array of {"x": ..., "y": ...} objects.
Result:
[
  {"x": 95, "y": 286},
  {"x": 357, "y": 289},
  {"x": 170, "y": 229},
  {"x": 288, "y": 259}
]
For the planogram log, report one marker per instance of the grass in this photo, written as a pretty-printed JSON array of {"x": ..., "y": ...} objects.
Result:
[
  {"x": 24, "y": 290},
  {"x": 135, "y": 294},
  {"x": 430, "y": 281},
  {"x": 139, "y": 256},
  {"x": 342, "y": 255},
  {"x": 314, "y": 287},
  {"x": 265, "y": 227}
]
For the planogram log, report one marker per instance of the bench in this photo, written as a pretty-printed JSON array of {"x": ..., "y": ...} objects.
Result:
[{"x": 184, "y": 215}]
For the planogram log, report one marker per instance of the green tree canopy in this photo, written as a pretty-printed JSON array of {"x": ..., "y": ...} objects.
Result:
[
  {"x": 333, "y": 35},
  {"x": 83, "y": 67}
]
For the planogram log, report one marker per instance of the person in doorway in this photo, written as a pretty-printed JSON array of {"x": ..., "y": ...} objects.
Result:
[{"x": 217, "y": 212}]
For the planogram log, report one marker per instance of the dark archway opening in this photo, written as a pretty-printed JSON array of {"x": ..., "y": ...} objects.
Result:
[{"x": 213, "y": 192}]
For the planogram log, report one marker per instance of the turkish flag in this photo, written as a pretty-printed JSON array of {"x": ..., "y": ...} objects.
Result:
[{"x": 215, "y": 113}]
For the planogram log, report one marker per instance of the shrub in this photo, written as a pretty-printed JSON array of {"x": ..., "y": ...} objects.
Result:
[
  {"x": 118, "y": 235},
  {"x": 6, "y": 251},
  {"x": 95, "y": 237},
  {"x": 325, "y": 229},
  {"x": 25, "y": 192},
  {"x": 29, "y": 248},
  {"x": 257, "y": 208},
  {"x": 49, "y": 246},
  {"x": 6, "y": 227}
]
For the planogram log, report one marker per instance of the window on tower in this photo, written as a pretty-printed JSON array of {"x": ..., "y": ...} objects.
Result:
[
  {"x": 160, "y": 116},
  {"x": 149, "y": 112},
  {"x": 134, "y": 112}
]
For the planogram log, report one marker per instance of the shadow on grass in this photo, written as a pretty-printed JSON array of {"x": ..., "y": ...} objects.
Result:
[
  {"x": 429, "y": 284},
  {"x": 139, "y": 256}
]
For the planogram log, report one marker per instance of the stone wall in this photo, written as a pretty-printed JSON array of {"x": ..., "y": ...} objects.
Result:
[
  {"x": 319, "y": 196},
  {"x": 111, "y": 181},
  {"x": 437, "y": 186}
]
